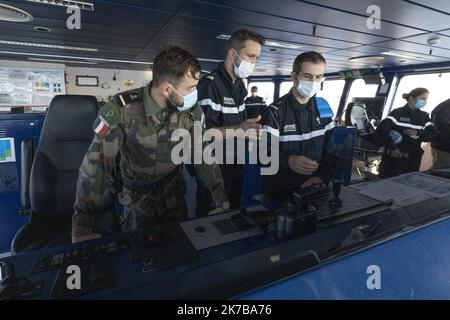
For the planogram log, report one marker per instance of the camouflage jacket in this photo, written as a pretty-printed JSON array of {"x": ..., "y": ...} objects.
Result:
[{"x": 132, "y": 126}]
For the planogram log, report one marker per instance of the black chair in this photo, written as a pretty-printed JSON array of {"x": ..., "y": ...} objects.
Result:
[
  {"x": 49, "y": 185},
  {"x": 367, "y": 138}
]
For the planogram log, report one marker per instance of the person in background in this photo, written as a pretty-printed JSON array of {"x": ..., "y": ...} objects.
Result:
[
  {"x": 402, "y": 133},
  {"x": 254, "y": 104},
  {"x": 441, "y": 140}
]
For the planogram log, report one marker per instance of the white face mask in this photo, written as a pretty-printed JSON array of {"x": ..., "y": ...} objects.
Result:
[
  {"x": 307, "y": 88},
  {"x": 245, "y": 69},
  {"x": 189, "y": 100}
]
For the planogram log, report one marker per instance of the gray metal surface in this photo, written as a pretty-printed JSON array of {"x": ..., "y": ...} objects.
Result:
[
  {"x": 406, "y": 189},
  {"x": 217, "y": 230}
]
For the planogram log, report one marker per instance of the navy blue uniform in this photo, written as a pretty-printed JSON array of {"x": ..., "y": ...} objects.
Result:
[
  {"x": 254, "y": 105},
  {"x": 301, "y": 131},
  {"x": 222, "y": 99},
  {"x": 441, "y": 119},
  {"x": 223, "y": 104},
  {"x": 399, "y": 120}
]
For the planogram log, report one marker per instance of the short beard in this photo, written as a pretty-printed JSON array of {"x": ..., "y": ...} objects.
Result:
[{"x": 170, "y": 102}]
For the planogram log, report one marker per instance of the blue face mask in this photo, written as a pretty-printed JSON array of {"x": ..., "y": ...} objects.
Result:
[
  {"x": 189, "y": 100},
  {"x": 421, "y": 103}
]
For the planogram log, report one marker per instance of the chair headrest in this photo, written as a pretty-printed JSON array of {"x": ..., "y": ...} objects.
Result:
[{"x": 66, "y": 107}]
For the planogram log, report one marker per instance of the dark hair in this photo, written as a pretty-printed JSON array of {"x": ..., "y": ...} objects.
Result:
[
  {"x": 414, "y": 93},
  {"x": 172, "y": 64},
  {"x": 254, "y": 88},
  {"x": 238, "y": 39},
  {"x": 310, "y": 56}
]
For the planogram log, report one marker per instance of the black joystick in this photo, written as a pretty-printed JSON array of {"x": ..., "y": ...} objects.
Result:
[
  {"x": 9, "y": 284},
  {"x": 336, "y": 202}
]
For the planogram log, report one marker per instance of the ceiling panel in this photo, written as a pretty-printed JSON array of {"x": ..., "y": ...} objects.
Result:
[
  {"x": 438, "y": 5},
  {"x": 445, "y": 32},
  {"x": 346, "y": 35},
  {"x": 157, "y": 6},
  {"x": 168, "y": 6},
  {"x": 423, "y": 38},
  {"x": 59, "y": 52},
  {"x": 221, "y": 13},
  {"x": 396, "y": 12},
  {"x": 83, "y": 35},
  {"x": 102, "y": 50},
  {"x": 375, "y": 50},
  {"x": 302, "y": 11},
  {"x": 206, "y": 45},
  {"x": 414, "y": 48},
  {"x": 94, "y": 43},
  {"x": 104, "y": 15},
  {"x": 186, "y": 24},
  {"x": 139, "y": 29},
  {"x": 127, "y": 18}
]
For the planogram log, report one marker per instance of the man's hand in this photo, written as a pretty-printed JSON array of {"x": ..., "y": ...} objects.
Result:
[
  {"x": 302, "y": 165},
  {"x": 87, "y": 237},
  {"x": 311, "y": 181},
  {"x": 396, "y": 154},
  {"x": 225, "y": 206},
  {"x": 410, "y": 132},
  {"x": 229, "y": 132},
  {"x": 252, "y": 124}
]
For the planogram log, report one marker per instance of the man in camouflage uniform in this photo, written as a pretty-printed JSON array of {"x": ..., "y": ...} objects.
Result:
[{"x": 133, "y": 145}]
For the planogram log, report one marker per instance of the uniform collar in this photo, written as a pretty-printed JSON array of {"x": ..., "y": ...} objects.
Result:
[
  {"x": 151, "y": 107},
  {"x": 225, "y": 75},
  {"x": 410, "y": 110},
  {"x": 297, "y": 106}
]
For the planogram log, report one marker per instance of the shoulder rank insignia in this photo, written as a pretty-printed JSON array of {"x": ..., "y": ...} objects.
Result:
[{"x": 125, "y": 98}]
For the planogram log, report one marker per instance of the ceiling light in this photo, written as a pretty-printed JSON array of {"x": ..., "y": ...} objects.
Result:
[
  {"x": 72, "y": 57},
  {"x": 366, "y": 59},
  {"x": 223, "y": 37},
  {"x": 209, "y": 60},
  {"x": 268, "y": 42},
  {"x": 63, "y": 61},
  {"x": 284, "y": 69},
  {"x": 12, "y": 14},
  {"x": 285, "y": 45},
  {"x": 100, "y": 60},
  {"x": 402, "y": 55},
  {"x": 67, "y": 3},
  {"x": 43, "y": 45},
  {"x": 42, "y": 29}
]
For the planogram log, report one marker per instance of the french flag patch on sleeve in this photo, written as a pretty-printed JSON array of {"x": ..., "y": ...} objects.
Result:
[{"x": 101, "y": 126}]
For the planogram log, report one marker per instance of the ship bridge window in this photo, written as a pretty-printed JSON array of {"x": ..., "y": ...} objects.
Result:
[
  {"x": 436, "y": 83},
  {"x": 361, "y": 90}
]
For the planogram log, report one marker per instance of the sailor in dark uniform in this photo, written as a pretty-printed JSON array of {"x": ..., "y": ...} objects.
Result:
[{"x": 402, "y": 133}]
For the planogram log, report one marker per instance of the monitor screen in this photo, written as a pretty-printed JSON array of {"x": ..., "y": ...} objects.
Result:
[{"x": 374, "y": 106}]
